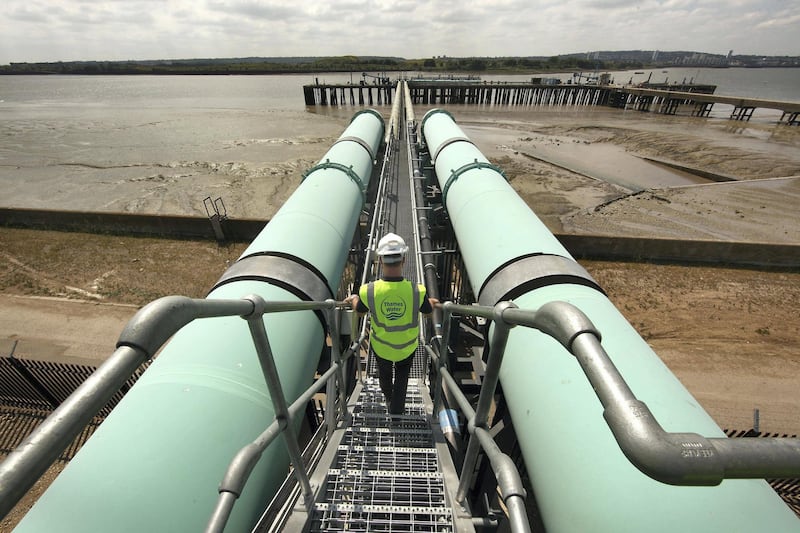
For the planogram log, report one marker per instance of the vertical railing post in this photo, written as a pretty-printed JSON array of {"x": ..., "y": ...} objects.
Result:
[
  {"x": 438, "y": 391},
  {"x": 337, "y": 412},
  {"x": 258, "y": 332},
  {"x": 341, "y": 375},
  {"x": 497, "y": 347},
  {"x": 355, "y": 343}
]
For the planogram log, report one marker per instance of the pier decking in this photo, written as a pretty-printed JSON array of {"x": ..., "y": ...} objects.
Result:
[
  {"x": 668, "y": 102},
  {"x": 697, "y": 99}
]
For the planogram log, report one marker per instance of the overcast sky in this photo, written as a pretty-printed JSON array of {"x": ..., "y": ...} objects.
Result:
[{"x": 66, "y": 30}]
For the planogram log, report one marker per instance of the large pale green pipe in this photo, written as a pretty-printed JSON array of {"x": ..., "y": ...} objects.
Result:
[
  {"x": 156, "y": 461},
  {"x": 582, "y": 481}
]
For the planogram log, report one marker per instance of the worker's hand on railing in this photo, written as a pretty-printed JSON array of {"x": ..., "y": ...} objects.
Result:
[{"x": 352, "y": 301}]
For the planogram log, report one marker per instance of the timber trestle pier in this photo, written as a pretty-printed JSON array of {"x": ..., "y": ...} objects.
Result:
[
  {"x": 695, "y": 100},
  {"x": 344, "y": 94}
]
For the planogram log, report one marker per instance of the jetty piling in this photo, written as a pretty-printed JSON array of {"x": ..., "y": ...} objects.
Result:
[
  {"x": 337, "y": 94},
  {"x": 662, "y": 98}
]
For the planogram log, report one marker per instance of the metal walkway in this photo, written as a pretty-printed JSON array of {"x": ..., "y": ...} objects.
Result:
[
  {"x": 386, "y": 473},
  {"x": 381, "y": 472}
]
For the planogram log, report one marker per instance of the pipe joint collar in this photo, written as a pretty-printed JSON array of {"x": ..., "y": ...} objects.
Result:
[
  {"x": 447, "y": 142},
  {"x": 526, "y": 273},
  {"x": 286, "y": 271},
  {"x": 564, "y": 322},
  {"x": 282, "y": 270}
]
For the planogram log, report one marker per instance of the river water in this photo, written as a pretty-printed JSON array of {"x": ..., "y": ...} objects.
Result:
[{"x": 161, "y": 144}]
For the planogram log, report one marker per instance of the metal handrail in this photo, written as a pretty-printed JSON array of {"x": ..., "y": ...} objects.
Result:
[
  {"x": 144, "y": 334},
  {"x": 141, "y": 338},
  {"x": 242, "y": 465},
  {"x": 672, "y": 458},
  {"x": 512, "y": 490}
]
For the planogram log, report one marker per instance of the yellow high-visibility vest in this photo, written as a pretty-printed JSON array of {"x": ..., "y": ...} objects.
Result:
[{"x": 394, "y": 312}]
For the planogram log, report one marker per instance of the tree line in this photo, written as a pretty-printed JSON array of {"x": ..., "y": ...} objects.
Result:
[
  {"x": 605, "y": 61},
  {"x": 320, "y": 64}
]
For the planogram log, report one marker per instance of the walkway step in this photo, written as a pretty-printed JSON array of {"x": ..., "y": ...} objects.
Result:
[{"x": 386, "y": 474}]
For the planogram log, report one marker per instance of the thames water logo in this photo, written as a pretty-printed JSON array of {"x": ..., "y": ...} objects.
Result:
[{"x": 393, "y": 309}]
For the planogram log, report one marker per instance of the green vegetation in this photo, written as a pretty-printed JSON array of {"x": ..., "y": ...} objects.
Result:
[
  {"x": 637, "y": 59},
  {"x": 321, "y": 64},
  {"x": 210, "y": 66}
]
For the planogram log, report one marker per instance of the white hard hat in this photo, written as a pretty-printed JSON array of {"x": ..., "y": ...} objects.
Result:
[{"x": 392, "y": 248}]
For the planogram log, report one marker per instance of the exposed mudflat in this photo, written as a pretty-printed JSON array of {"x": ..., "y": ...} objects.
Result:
[
  {"x": 161, "y": 162},
  {"x": 589, "y": 175}
]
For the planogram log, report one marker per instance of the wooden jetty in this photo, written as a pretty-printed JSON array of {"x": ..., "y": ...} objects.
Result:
[
  {"x": 668, "y": 103},
  {"x": 657, "y": 98},
  {"x": 354, "y": 94},
  {"x": 511, "y": 94}
]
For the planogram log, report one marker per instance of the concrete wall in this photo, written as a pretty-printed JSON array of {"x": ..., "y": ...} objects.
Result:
[
  {"x": 579, "y": 246},
  {"x": 683, "y": 251},
  {"x": 235, "y": 230}
]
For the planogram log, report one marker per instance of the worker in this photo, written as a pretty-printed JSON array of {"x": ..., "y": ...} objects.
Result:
[{"x": 394, "y": 304}]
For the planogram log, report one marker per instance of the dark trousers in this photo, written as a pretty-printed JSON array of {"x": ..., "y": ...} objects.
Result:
[{"x": 395, "y": 393}]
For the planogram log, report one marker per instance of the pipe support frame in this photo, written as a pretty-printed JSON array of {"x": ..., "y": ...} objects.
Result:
[
  {"x": 348, "y": 171},
  {"x": 455, "y": 174}
]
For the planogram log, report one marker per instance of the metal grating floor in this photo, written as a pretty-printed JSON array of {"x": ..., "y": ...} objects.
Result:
[{"x": 386, "y": 474}]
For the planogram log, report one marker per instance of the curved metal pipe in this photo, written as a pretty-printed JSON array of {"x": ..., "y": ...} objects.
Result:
[
  {"x": 569, "y": 451},
  {"x": 673, "y": 458},
  {"x": 394, "y": 127},
  {"x": 409, "y": 105},
  {"x": 166, "y": 445}
]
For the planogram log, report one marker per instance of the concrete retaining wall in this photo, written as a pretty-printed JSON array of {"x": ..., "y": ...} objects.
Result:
[
  {"x": 683, "y": 251},
  {"x": 580, "y": 246},
  {"x": 186, "y": 227}
]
